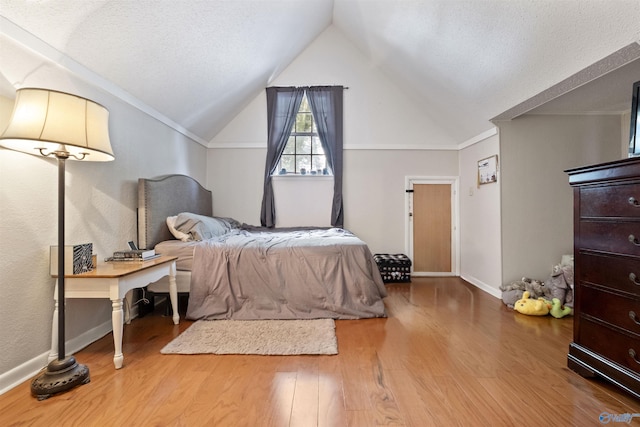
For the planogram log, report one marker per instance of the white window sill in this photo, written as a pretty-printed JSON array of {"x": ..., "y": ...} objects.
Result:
[{"x": 312, "y": 177}]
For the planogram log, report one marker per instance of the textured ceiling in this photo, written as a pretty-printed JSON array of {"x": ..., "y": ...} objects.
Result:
[{"x": 199, "y": 62}]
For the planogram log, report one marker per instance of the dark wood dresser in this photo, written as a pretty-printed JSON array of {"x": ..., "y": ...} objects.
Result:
[{"x": 606, "y": 331}]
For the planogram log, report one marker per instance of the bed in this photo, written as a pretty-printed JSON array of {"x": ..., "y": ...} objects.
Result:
[{"x": 244, "y": 272}]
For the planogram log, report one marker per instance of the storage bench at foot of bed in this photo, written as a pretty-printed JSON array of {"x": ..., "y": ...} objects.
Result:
[{"x": 394, "y": 267}]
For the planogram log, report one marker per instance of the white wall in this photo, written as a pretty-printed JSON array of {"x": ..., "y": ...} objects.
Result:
[
  {"x": 382, "y": 126},
  {"x": 537, "y": 201},
  {"x": 311, "y": 207},
  {"x": 234, "y": 177},
  {"x": 376, "y": 111},
  {"x": 101, "y": 201},
  {"x": 480, "y": 232},
  {"x": 374, "y": 191}
]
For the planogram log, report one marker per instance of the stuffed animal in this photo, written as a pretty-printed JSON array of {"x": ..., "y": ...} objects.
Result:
[
  {"x": 541, "y": 306},
  {"x": 532, "y": 307},
  {"x": 510, "y": 296},
  {"x": 514, "y": 291},
  {"x": 560, "y": 284},
  {"x": 558, "y": 310}
]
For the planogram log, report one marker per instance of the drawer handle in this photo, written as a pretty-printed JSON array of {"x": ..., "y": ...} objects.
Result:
[
  {"x": 632, "y": 316},
  {"x": 634, "y": 279},
  {"x": 634, "y": 356},
  {"x": 634, "y": 240},
  {"x": 634, "y": 202}
]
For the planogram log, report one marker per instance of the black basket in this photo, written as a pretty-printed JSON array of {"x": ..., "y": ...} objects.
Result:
[{"x": 394, "y": 268}]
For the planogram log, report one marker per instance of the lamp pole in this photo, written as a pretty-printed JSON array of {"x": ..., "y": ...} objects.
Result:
[
  {"x": 64, "y": 373},
  {"x": 62, "y": 157}
]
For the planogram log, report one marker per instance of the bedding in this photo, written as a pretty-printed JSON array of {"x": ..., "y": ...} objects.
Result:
[
  {"x": 292, "y": 274},
  {"x": 201, "y": 227},
  {"x": 171, "y": 224},
  {"x": 183, "y": 250},
  {"x": 244, "y": 272}
]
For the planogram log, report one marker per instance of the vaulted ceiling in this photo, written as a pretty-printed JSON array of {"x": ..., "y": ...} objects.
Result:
[{"x": 198, "y": 63}]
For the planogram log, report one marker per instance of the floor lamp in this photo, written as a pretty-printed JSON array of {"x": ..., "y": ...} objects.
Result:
[{"x": 64, "y": 126}]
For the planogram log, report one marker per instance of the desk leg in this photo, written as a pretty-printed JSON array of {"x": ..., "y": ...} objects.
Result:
[
  {"x": 53, "y": 355},
  {"x": 173, "y": 293},
  {"x": 117, "y": 322}
]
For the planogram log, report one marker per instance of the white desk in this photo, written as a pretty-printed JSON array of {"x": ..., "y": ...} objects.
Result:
[{"x": 113, "y": 280}]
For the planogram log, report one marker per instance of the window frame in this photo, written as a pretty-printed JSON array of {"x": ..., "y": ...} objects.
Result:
[{"x": 314, "y": 139}]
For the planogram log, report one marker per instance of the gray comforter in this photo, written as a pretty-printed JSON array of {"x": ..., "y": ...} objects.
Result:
[{"x": 301, "y": 274}]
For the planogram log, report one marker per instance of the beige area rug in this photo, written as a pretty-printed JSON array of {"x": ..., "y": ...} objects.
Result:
[{"x": 268, "y": 337}]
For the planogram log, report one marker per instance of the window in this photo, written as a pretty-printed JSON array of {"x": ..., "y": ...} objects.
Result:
[
  {"x": 303, "y": 153},
  {"x": 283, "y": 106}
]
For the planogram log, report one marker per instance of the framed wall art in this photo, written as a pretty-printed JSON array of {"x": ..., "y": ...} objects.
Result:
[{"x": 488, "y": 170}]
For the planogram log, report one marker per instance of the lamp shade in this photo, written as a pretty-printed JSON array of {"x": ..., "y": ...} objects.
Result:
[{"x": 45, "y": 122}]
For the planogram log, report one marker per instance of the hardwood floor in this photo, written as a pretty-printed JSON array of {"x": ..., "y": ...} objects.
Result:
[{"x": 448, "y": 354}]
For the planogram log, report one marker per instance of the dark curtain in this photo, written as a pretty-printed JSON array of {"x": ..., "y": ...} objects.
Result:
[
  {"x": 283, "y": 104},
  {"x": 326, "y": 107}
]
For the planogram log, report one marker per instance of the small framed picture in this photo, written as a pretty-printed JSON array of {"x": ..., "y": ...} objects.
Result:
[{"x": 488, "y": 170}]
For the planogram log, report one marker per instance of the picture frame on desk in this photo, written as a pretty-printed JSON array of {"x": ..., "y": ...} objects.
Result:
[{"x": 78, "y": 259}]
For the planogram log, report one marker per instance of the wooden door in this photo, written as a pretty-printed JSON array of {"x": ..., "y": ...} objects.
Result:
[{"x": 432, "y": 229}]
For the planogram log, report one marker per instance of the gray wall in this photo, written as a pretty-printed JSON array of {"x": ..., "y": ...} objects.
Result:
[
  {"x": 373, "y": 187},
  {"x": 101, "y": 201},
  {"x": 537, "y": 201},
  {"x": 480, "y": 233}
]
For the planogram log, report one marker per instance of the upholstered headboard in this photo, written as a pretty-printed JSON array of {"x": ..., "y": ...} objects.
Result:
[{"x": 167, "y": 196}]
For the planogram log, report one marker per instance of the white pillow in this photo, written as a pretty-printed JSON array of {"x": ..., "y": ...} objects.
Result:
[
  {"x": 171, "y": 223},
  {"x": 200, "y": 227}
]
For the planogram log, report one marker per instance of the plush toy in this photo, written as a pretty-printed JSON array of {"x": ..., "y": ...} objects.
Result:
[
  {"x": 541, "y": 306},
  {"x": 558, "y": 310},
  {"x": 510, "y": 296},
  {"x": 514, "y": 291},
  {"x": 532, "y": 307},
  {"x": 560, "y": 284}
]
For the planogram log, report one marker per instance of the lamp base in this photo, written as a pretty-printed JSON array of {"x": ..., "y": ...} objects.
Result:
[{"x": 60, "y": 376}]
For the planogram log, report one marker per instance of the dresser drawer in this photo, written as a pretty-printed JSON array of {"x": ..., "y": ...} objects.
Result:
[
  {"x": 609, "y": 236},
  {"x": 621, "y": 200},
  {"x": 616, "y": 272},
  {"x": 618, "y": 310},
  {"x": 607, "y": 267},
  {"x": 621, "y": 348}
]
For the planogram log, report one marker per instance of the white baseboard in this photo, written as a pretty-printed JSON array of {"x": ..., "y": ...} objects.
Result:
[
  {"x": 22, "y": 373},
  {"x": 30, "y": 368},
  {"x": 483, "y": 286},
  {"x": 436, "y": 274}
]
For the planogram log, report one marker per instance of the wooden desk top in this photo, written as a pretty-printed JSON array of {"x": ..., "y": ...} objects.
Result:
[{"x": 120, "y": 268}]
